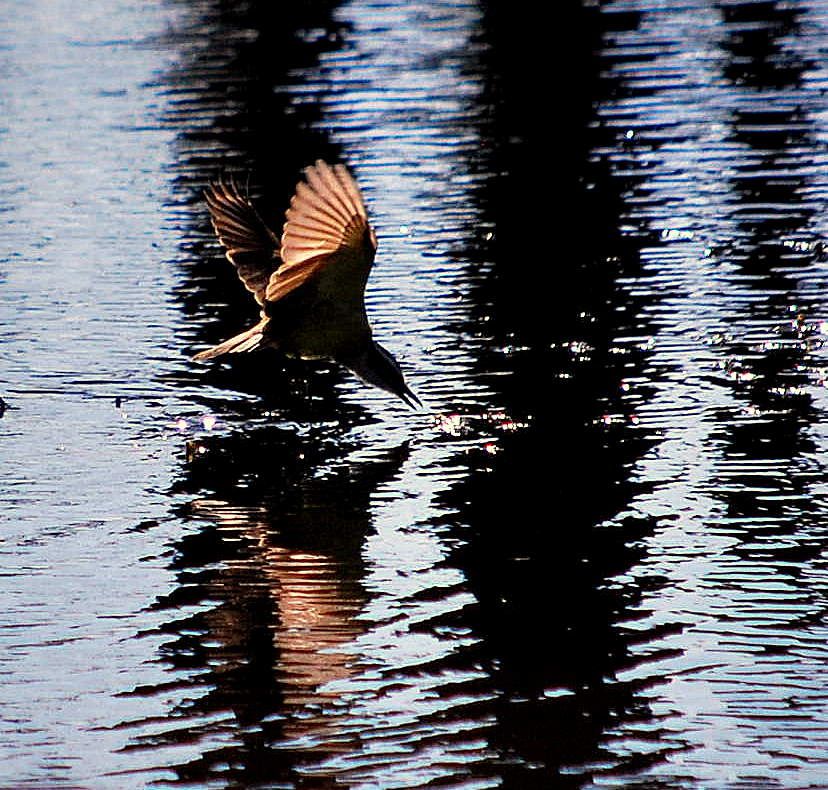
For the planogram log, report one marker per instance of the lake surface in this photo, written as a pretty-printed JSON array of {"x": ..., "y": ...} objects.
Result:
[{"x": 597, "y": 557}]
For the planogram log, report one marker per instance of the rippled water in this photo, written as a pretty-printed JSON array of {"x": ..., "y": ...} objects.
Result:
[{"x": 596, "y": 558}]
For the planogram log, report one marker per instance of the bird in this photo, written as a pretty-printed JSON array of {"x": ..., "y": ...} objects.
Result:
[{"x": 310, "y": 281}]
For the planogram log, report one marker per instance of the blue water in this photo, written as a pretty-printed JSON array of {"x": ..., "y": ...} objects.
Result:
[{"x": 597, "y": 557}]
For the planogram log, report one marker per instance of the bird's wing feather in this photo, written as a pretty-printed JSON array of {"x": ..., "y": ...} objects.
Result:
[
  {"x": 326, "y": 234},
  {"x": 252, "y": 247}
]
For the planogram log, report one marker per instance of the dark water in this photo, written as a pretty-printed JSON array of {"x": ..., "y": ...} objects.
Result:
[{"x": 597, "y": 558}]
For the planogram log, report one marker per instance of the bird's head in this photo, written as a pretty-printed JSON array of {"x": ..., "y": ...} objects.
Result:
[{"x": 376, "y": 366}]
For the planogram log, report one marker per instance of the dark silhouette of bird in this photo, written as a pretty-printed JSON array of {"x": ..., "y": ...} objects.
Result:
[{"x": 310, "y": 284}]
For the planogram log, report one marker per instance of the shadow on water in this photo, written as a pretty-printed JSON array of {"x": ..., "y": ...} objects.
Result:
[
  {"x": 768, "y": 471},
  {"x": 771, "y": 213},
  {"x": 547, "y": 560},
  {"x": 770, "y": 369}
]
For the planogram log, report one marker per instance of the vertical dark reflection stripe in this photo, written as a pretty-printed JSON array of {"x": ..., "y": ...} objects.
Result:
[
  {"x": 539, "y": 537},
  {"x": 769, "y": 209},
  {"x": 769, "y": 368},
  {"x": 769, "y": 470}
]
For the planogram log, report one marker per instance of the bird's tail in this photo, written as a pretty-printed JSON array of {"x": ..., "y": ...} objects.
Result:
[{"x": 246, "y": 341}]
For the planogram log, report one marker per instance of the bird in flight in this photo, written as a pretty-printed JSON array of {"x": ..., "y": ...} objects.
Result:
[{"x": 310, "y": 284}]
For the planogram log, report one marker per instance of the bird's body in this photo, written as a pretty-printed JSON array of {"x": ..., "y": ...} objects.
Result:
[{"x": 310, "y": 283}]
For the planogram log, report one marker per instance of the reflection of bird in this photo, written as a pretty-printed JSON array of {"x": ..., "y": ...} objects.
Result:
[{"x": 311, "y": 285}]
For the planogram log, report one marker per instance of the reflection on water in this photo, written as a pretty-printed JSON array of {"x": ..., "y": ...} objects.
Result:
[
  {"x": 265, "y": 609},
  {"x": 596, "y": 558}
]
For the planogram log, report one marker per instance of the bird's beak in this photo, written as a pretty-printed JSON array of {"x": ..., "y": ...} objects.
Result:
[{"x": 410, "y": 398}]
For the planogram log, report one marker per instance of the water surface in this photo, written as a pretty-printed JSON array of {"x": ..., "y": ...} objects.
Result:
[{"x": 595, "y": 558}]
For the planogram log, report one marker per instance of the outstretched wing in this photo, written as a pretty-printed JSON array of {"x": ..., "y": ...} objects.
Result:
[
  {"x": 326, "y": 236},
  {"x": 252, "y": 247}
]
